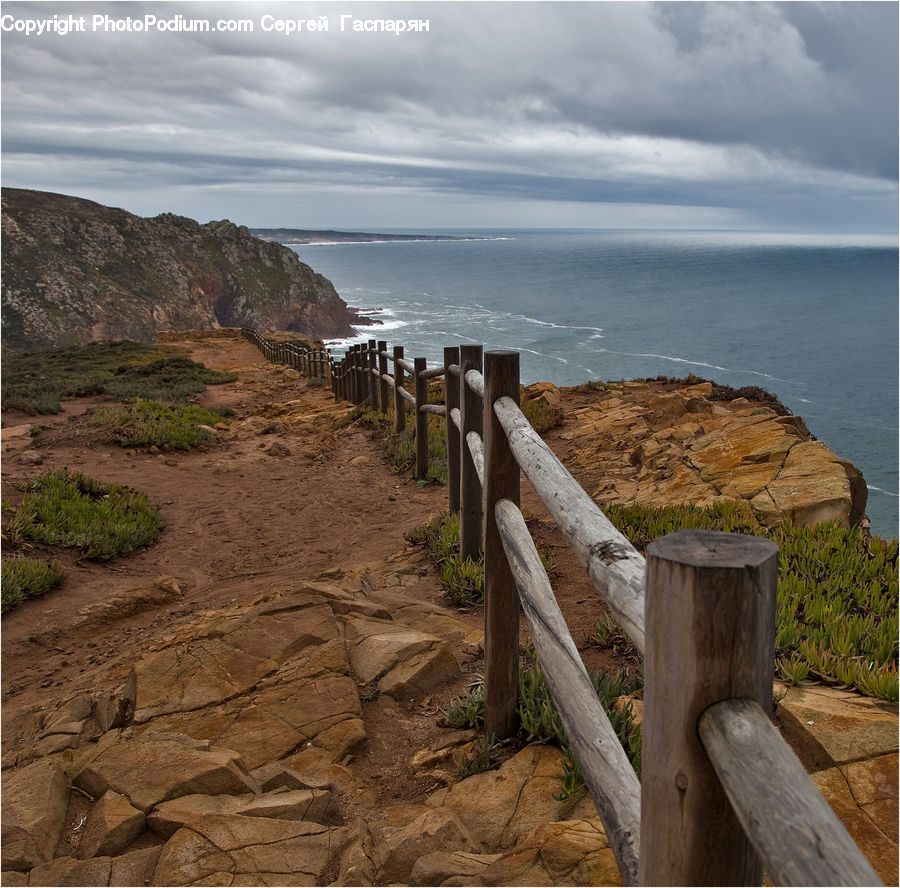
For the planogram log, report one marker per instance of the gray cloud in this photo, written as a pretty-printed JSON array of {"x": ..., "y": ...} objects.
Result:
[{"x": 751, "y": 114}]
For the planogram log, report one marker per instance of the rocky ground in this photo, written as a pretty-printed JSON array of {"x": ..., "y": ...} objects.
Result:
[{"x": 256, "y": 699}]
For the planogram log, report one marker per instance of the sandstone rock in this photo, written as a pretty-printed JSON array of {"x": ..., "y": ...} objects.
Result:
[
  {"x": 112, "y": 825},
  {"x": 314, "y": 806},
  {"x": 879, "y": 849},
  {"x": 403, "y": 662},
  {"x": 153, "y": 768},
  {"x": 497, "y": 806},
  {"x": 135, "y": 868},
  {"x": 435, "y": 830},
  {"x": 276, "y": 775},
  {"x": 35, "y": 801},
  {"x": 70, "y": 871},
  {"x": 813, "y": 486},
  {"x": 837, "y": 727},
  {"x": 194, "y": 674},
  {"x": 232, "y": 849},
  {"x": 450, "y": 868},
  {"x": 873, "y": 784},
  {"x": 276, "y": 448},
  {"x": 571, "y": 853},
  {"x": 113, "y": 710},
  {"x": 290, "y": 375}
]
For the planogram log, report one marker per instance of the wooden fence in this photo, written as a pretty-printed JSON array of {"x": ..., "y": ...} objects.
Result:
[{"x": 722, "y": 796}]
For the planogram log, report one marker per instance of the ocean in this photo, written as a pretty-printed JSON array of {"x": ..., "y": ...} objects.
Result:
[{"x": 812, "y": 319}]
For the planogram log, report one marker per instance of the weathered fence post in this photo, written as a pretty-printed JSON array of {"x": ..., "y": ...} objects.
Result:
[
  {"x": 382, "y": 382},
  {"x": 470, "y": 408},
  {"x": 451, "y": 402},
  {"x": 362, "y": 386},
  {"x": 372, "y": 388},
  {"x": 710, "y": 636},
  {"x": 399, "y": 400},
  {"x": 501, "y": 599},
  {"x": 355, "y": 375},
  {"x": 421, "y": 420}
]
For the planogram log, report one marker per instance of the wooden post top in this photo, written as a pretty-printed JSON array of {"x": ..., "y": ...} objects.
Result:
[{"x": 713, "y": 549}]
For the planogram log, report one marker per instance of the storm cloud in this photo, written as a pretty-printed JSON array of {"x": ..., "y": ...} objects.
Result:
[{"x": 718, "y": 114}]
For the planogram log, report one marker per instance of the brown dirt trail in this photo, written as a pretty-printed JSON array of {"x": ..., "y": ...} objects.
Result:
[{"x": 289, "y": 492}]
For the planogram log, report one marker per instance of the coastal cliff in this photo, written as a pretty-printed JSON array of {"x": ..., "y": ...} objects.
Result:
[{"x": 75, "y": 271}]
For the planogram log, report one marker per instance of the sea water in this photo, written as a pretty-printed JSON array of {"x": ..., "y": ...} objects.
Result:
[{"x": 813, "y": 320}]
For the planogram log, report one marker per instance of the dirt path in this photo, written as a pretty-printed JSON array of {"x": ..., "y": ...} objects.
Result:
[{"x": 289, "y": 494}]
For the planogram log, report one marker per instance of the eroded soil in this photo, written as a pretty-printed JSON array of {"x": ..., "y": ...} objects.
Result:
[{"x": 242, "y": 516}]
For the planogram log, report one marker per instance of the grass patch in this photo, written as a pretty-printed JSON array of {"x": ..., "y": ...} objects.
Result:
[
  {"x": 148, "y": 423},
  {"x": 105, "y": 521},
  {"x": 400, "y": 450},
  {"x": 540, "y": 721},
  {"x": 25, "y": 578},
  {"x": 39, "y": 382},
  {"x": 836, "y": 616},
  {"x": 540, "y": 414},
  {"x": 482, "y": 759}
]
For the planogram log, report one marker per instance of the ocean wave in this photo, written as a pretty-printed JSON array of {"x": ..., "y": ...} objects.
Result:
[
  {"x": 706, "y": 364},
  {"x": 520, "y": 317},
  {"x": 881, "y": 490}
]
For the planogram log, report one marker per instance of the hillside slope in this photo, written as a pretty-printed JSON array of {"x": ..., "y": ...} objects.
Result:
[{"x": 76, "y": 271}]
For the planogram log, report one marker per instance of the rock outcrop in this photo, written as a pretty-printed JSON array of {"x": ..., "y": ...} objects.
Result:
[
  {"x": 75, "y": 271},
  {"x": 634, "y": 442},
  {"x": 244, "y": 772}
]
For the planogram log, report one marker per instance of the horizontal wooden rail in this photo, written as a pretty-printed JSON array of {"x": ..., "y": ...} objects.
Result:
[
  {"x": 476, "y": 449},
  {"x": 780, "y": 809},
  {"x": 475, "y": 381},
  {"x": 722, "y": 794},
  {"x": 615, "y": 567},
  {"x": 607, "y": 773}
]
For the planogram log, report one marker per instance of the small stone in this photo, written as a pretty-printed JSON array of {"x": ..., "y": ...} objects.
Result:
[{"x": 111, "y": 826}]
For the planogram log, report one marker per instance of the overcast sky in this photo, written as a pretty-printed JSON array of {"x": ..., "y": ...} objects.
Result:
[{"x": 592, "y": 114}]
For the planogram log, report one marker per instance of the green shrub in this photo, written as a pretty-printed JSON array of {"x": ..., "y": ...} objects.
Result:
[
  {"x": 467, "y": 711},
  {"x": 836, "y": 613},
  {"x": 150, "y": 422},
  {"x": 482, "y": 759},
  {"x": 38, "y": 382},
  {"x": 540, "y": 719},
  {"x": 104, "y": 521},
  {"x": 27, "y": 578},
  {"x": 541, "y": 415}
]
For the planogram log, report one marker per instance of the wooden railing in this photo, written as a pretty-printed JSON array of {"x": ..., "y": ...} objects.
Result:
[
  {"x": 722, "y": 796},
  {"x": 312, "y": 362}
]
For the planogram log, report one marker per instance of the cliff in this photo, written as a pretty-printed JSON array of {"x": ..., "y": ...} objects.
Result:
[{"x": 76, "y": 271}]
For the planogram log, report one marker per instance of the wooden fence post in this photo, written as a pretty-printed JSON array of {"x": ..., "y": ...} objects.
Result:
[
  {"x": 382, "y": 382},
  {"x": 372, "y": 388},
  {"x": 355, "y": 374},
  {"x": 470, "y": 408},
  {"x": 362, "y": 389},
  {"x": 710, "y": 636},
  {"x": 501, "y": 598},
  {"x": 399, "y": 400},
  {"x": 451, "y": 402},
  {"x": 421, "y": 420}
]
